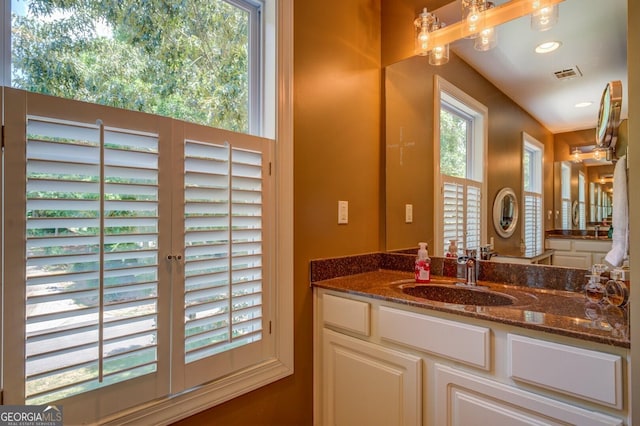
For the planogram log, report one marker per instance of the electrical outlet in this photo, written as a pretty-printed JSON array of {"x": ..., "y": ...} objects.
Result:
[
  {"x": 408, "y": 213},
  {"x": 343, "y": 212}
]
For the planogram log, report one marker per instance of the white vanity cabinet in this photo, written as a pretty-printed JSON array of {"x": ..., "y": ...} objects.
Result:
[
  {"x": 383, "y": 363},
  {"x": 362, "y": 383},
  {"x": 576, "y": 252},
  {"x": 463, "y": 399}
]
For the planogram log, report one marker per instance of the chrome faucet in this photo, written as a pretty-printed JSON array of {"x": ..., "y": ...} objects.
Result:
[
  {"x": 486, "y": 252},
  {"x": 471, "y": 266},
  {"x": 597, "y": 228}
]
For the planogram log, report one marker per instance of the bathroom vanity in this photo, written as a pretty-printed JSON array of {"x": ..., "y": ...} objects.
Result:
[
  {"x": 577, "y": 251},
  {"x": 385, "y": 357}
]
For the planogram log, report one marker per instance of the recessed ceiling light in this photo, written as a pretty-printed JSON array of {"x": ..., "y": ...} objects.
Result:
[
  {"x": 583, "y": 104},
  {"x": 548, "y": 46}
]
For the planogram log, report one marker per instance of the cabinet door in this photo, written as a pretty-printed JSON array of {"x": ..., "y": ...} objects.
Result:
[
  {"x": 465, "y": 399},
  {"x": 366, "y": 384}
]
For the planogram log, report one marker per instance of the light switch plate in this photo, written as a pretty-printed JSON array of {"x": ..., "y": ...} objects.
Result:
[
  {"x": 408, "y": 213},
  {"x": 343, "y": 212}
]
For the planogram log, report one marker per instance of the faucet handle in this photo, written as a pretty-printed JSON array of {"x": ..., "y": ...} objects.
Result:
[{"x": 471, "y": 253}]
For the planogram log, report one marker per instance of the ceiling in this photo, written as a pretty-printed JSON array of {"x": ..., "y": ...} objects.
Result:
[{"x": 593, "y": 34}]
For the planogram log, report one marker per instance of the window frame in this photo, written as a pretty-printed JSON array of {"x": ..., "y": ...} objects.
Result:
[
  {"x": 444, "y": 91},
  {"x": 582, "y": 207},
  {"x": 278, "y": 121},
  {"x": 565, "y": 196},
  {"x": 536, "y": 170},
  {"x": 260, "y": 65}
]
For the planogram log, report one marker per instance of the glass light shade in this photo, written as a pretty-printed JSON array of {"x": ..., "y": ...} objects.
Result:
[
  {"x": 597, "y": 154},
  {"x": 422, "y": 32},
  {"x": 472, "y": 15},
  {"x": 575, "y": 157},
  {"x": 422, "y": 42},
  {"x": 439, "y": 55},
  {"x": 487, "y": 39},
  {"x": 544, "y": 17}
]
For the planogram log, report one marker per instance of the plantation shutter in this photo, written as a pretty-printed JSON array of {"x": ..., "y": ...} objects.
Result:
[
  {"x": 130, "y": 279},
  {"x": 91, "y": 259},
  {"x": 453, "y": 213},
  {"x": 566, "y": 213},
  {"x": 84, "y": 202},
  {"x": 223, "y": 248},
  {"x": 473, "y": 218},
  {"x": 225, "y": 189},
  {"x": 461, "y": 212},
  {"x": 532, "y": 224}
]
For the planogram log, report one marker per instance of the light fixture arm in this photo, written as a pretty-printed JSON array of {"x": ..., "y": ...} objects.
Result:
[{"x": 493, "y": 17}]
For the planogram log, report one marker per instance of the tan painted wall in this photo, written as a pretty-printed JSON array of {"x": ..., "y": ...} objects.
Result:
[
  {"x": 409, "y": 123},
  {"x": 337, "y": 157}
]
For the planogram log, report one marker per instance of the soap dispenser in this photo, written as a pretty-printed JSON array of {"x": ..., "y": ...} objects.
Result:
[{"x": 423, "y": 265}]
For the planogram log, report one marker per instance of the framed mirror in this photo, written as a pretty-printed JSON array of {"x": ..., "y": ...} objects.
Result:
[
  {"x": 505, "y": 212},
  {"x": 575, "y": 213},
  {"x": 609, "y": 115}
]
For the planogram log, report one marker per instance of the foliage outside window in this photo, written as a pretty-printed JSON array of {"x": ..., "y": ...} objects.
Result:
[{"x": 189, "y": 60}]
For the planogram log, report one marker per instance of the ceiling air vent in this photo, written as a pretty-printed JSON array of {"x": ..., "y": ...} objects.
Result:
[{"x": 568, "y": 73}]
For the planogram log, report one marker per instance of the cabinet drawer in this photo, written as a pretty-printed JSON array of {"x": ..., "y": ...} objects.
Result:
[
  {"x": 450, "y": 339},
  {"x": 348, "y": 314},
  {"x": 558, "y": 244},
  {"x": 592, "y": 246},
  {"x": 588, "y": 374},
  {"x": 572, "y": 259}
]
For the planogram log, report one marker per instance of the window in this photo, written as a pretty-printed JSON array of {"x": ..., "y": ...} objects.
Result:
[
  {"x": 582, "y": 206},
  {"x": 461, "y": 131},
  {"x": 191, "y": 60},
  {"x": 593, "y": 197},
  {"x": 565, "y": 190},
  {"x": 532, "y": 163},
  {"x": 143, "y": 273}
]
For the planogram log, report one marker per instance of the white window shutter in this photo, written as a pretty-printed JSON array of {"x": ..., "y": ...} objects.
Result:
[
  {"x": 533, "y": 234},
  {"x": 223, "y": 248},
  {"x": 91, "y": 257},
  {"x": 461, "y": 212}
]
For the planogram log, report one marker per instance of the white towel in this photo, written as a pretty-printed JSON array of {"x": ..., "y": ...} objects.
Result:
[{"x": 620, "y": 220}]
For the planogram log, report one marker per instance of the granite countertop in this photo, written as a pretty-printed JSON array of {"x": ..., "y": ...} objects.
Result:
[
  {"x": 580, "y": 237},
  {"x": 579, "y": 234},
  {"x": 560, "y": 312}
]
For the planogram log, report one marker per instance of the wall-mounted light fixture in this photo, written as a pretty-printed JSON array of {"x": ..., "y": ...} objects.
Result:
[
  {"x": 598, "y": 154},
  {"x": 477, "y": 15},
  {"x": 425, "y": 24},
  {"x": 575, "y": 156}
]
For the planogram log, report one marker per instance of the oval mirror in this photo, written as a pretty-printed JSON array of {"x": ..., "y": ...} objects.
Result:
[
  {"x": 505, "y": 212},
  {"x": 575, "y": 213},
  {"x": 609, "y": 115}
]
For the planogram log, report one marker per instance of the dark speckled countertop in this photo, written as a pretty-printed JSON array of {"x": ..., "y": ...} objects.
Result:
[
  {"x": 579, "y": 234},
  {"x": 561, "y": 312}
]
